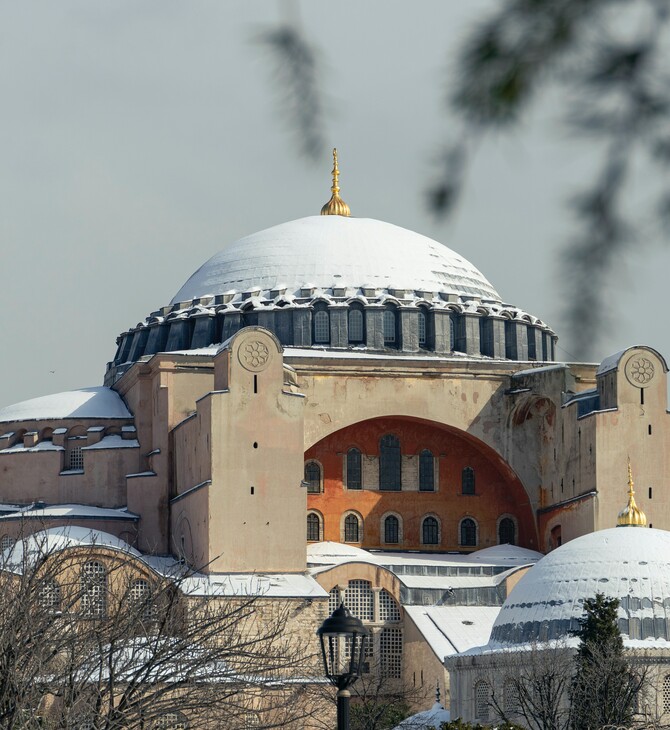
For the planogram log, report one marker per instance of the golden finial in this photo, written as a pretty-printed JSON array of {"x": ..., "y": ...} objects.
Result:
[
  {"x": 335, "y": 206},
  {"x": 631, "y": 515}
]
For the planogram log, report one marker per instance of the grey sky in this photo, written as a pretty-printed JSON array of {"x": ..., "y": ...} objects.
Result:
[{"x": 138, "y": 138}]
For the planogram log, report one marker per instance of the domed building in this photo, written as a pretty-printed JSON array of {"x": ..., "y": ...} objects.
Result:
[
  {"x": 538, "y": 621},
  {"x": 344, "y": 380}
]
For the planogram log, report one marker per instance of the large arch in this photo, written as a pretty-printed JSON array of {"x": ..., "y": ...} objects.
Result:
[{"x": 498, "y": 490}]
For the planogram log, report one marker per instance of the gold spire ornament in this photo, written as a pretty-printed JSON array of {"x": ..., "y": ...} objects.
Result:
[
  {"x": 335, "y": 206},
  {"x": 631, "y": 515}
]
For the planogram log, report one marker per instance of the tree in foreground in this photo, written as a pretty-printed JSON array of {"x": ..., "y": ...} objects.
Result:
[
  {"x": 92, "y": 639},
  {"x": 534, "y": 688},
  {"x": 605, "y": 687}
]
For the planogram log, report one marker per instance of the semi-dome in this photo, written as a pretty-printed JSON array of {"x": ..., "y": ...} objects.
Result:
[
  {"x": 630, "y": 564},
  {"x": 332, "y": 251},
  {"x": 336, "y": 282}
]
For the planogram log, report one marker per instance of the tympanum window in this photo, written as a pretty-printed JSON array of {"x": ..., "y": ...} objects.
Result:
[
  {"x": 354, "y": 471},
  {"x": 468, "y": 480},
  {"x": 426, "y": 471},
  {"x": 468, "y": 533},
  {"x": 507, "y": 531},
  {"x": 313, "y": 477},
  {"x": 351, "y": 529},
  {"x": 390, "y": 464}
]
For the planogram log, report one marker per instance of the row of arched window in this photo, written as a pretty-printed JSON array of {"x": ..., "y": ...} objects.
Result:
[
  {"x": 390, "y": 470},
  {"x": 93, "y": 593},
  {"x": 356, "y": 327},
  {"x": 392, "y": 531}
]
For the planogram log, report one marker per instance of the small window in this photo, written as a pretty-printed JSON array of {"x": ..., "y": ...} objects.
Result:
[
  {"x": 507, "y": 531},
  {"x": 390, "y": 327},
  {"x": 422, "y": 328},
  {"x": 7, "y": 542},
  {"x": 666, "y": 694},
  {"x": 313, "y": 527},
  {"x": 388, "y": 607},
  {"x": 351, "y": 529},
  {"x": 171, "y": 721},
  {"x": 390, "y": 650},
  {"x": 356, "y": 329},
  {"x": 359, "y": 599},
  {"x": 321, "y": 326},
  {"x": 391, "y": 530},
  {"x": 510, "y": 697},
  {"x": 430, "y": 531},
  {"x": 482, "y": 701},
  {"x": 75, "y": 456},
  {"x": 468, "y": 480},
  {"x": 468, "y": 533},
  {"x": 141, "y": 600},
  {"x": 313, "y": 477},
  {"x": 486, "y": 339},
  {"x": 390, "y": 464},
  {"x": 426, "y": 471},
  {"x": 93, "y": 583},
  {"x": 532, "y": 349},
  {"x": 354, "y": 471},
  {"x": 49, "y": 596}
]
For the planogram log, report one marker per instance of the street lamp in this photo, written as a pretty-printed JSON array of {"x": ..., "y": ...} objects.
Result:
[{"x": 343, "y": 647}]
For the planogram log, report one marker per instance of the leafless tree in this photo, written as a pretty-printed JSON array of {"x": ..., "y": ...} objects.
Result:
[
  {"x": 90, "y": 638},
  {"x": 533, "y": 686}
]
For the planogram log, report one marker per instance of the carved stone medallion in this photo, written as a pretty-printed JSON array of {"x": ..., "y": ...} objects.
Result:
[
  {"x": 639, "y": 371},
  {"x": 254, "y": 355}
]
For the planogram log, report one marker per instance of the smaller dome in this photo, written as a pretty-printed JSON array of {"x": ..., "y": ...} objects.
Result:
[{"x": 630, "y": 565}]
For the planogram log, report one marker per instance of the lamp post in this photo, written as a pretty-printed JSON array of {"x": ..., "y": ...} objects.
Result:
[{"x": 343, "y": 647}]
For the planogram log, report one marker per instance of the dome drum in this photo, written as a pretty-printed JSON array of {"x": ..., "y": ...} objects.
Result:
[{"x": 424, "y": 326}]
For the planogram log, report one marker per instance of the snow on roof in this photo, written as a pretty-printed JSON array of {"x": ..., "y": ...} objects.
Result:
[
  {"x": 362, "y": 353},
  {"x": 427, "y": 720},
  {"x": 612, "y": 361},
  {"x": 446, "y": 582},
  {"x": 450, "y": 630},
  {"x": 333, "y": 553},
  {"x": 70, "y": 511},
  {"x": 272, "y": 585},
  {"x": 46, "y": 542},
  {"x": 541, "y": 369},
  {"x": 113, "y": 441},
  {"x": 504, "y": 554},
  {"x": 40, "y": 446},
  {"x": 320, "y": 250},
  {"x": 96, "y": 402}
]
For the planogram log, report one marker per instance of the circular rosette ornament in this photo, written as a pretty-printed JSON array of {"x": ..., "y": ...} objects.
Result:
[
  {"x": 254, "y": 355},
  {"x": 639, "y": 371}
]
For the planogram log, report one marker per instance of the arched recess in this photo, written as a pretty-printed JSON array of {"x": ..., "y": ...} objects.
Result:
[{"x": 499, "y": 490}]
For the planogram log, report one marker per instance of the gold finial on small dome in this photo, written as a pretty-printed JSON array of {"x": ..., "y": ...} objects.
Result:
[
  {"x": 631, "y": 515},
  {"x": 335, "y": 206}
]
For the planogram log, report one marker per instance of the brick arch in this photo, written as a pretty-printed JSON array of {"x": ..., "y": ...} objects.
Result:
[{"x": 498, "y": 489}]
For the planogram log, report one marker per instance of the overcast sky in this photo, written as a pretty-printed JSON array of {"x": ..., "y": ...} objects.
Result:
[{"x": 138, "y": 138}]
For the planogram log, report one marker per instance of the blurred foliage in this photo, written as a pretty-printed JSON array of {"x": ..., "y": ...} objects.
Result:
[
  {"x": 608, "y": 60},
  {"x": 297, "y": 77}
]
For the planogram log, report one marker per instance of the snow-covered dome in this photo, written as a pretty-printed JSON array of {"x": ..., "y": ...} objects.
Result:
[
  {"x": 335, "y": 251},
  {"x": 338, "y": 283},
  {"x": 628, "y": 563},
  {"x": 96, "y": 402}
]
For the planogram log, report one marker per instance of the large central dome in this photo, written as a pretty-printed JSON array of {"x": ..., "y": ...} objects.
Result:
[
  {"x": 334, "y": 251},
  {"x": 340, "y": 283}
]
